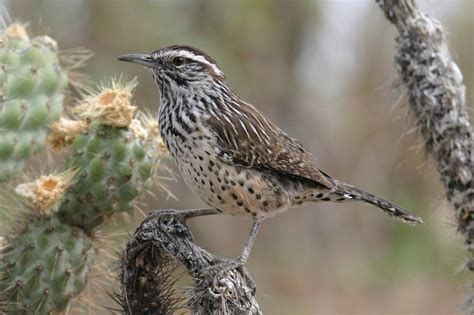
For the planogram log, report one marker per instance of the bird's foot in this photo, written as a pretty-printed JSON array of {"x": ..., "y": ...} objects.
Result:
[
  {"x": 237, "y": 264},
  {"x": 225, "y": 265}
]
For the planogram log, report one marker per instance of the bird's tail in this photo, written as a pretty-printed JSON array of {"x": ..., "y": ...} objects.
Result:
[{"x": 395, "y": 211}]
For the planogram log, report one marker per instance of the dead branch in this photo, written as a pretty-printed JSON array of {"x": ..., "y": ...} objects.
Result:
[
  {"x": 437, "y": 97},
  {"x": 151, "y": 256}
]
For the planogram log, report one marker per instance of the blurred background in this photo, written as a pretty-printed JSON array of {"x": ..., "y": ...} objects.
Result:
[{"x": 323, "y": 71}]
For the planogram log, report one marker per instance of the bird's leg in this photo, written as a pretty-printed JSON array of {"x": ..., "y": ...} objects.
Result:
[
  {"x": 242, "y": 259},
  {"x": 182, "y": 214}
]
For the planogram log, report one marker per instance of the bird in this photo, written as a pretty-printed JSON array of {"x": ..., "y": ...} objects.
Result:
[{"x": 231, "y": 154}]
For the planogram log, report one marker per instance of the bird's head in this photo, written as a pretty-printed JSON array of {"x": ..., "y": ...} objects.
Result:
[{"x": 179, "y": 67}]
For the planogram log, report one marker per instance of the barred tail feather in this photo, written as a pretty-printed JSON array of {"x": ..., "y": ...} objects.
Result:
[{"x": 393, "y": 210}]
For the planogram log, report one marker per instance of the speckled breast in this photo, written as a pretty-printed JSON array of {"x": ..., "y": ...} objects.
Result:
[{"x": 233, "y": 189}]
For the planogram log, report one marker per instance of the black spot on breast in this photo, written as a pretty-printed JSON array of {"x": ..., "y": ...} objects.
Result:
[
  {"x": 240, "y": 203},
  {"x": 250, "y": 190},
  {"x": 241, "y": 183},
  {"x": 319, "y": 195},
  {"x": 258, "y": 196},
  {"x": 191, "y": 116},
  {"x": 223, "y": 188},
  {"x": 326, "y": 199},
  {"x": 265, "y": 203},
  {"x": 232, "y": 183},
  {"x": 234, "y": 196}
]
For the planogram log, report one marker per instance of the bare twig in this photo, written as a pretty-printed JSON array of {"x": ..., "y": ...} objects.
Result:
[
  {"x": 152, "y": 253},
  {"x": 436, "y": 96}
]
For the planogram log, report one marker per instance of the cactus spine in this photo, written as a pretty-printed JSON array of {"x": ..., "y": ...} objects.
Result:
[
  {"x": 114, "y": 159},
  {"x": 111, "y": 156},
  {"x": 45, "y": 262},
  {"x": 32, "y": 93}
]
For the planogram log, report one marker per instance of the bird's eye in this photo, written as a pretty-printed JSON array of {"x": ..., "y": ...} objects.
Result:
[{"x": 178, "y": 61}]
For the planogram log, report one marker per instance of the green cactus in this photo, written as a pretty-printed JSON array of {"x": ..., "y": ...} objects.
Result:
[
  {"x": 44, "y": 266},
  {"x": 113, "y": 168},
  {"x": 32, "y": 86},
  {"x": 111, "y": 160}
]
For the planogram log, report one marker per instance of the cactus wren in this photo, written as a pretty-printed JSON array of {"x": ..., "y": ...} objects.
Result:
[{"x": 230, "y": 153}]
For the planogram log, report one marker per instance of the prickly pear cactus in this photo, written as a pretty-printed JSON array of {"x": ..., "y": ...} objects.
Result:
[
  {"x": 32, "y": 84},
  {"x": 45, "y": 266}
]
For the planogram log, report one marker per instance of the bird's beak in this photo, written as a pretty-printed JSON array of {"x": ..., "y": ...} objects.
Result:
[{"x": 142, "y": 59}]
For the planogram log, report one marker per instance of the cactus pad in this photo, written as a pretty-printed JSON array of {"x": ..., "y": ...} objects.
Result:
[
  {"x": 44, "y": 266},
  {"x": 32, "y": 84},
  {"x": 113, "y": 167}
]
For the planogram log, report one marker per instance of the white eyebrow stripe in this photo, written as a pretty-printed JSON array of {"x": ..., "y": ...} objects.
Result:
[{"x": 198, "y": 58}]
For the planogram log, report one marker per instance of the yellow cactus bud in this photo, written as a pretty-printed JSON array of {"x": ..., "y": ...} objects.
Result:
[
  {"x": 110, "y": 106},
  {"x": 44, "y": 194},
  {"x": 16, "y": 31},
  {"x": 64, "y": 131}
]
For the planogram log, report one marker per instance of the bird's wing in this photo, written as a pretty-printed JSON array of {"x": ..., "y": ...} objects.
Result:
[{"x": 248, "y": 138}]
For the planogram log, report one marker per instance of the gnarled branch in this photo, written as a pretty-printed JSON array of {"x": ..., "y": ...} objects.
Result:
[
  {"x": 437, "y": 97},
  {"x": 148, "y": 284}
]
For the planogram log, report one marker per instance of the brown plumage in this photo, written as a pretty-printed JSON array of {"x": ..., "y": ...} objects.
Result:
[
  {"x": 231, "y": 154},
  {"x": 253, "y": 141}
]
